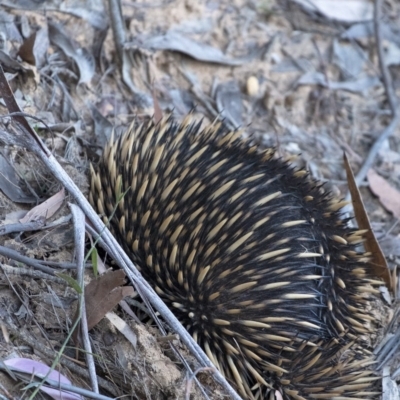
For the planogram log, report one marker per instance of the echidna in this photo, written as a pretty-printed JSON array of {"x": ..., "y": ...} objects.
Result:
[{"x": 252, "y": 256}]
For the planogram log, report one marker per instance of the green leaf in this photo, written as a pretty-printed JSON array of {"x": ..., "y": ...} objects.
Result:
[{"x": 71, "y": 282}]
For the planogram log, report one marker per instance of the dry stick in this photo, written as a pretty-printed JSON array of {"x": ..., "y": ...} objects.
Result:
[
  {"x": 79, "y": 232},
  {"x": 10, "y": 253},
  {"x": 20, "y": 271},
  {"x": 123, "y": 61},
  {"x": 387, "y": 81},
  {"x": 117, "y": 26},
  {"x": 30, "y": 140},
  {"x": 32, "y": 381},
  {"x": 41, "y": 265},
  {"x": 77, "y": 390},
  {"x": 22, "y": 227}
]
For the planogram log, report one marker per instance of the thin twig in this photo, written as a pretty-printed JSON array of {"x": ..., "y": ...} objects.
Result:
[
  {"x": 79, "y": 232},
  {"x": 387, "y": 79},
  {"x": 31, "y": 273},
  {"x": 61, "y": 387},
  {"x": 37, "y": 264},
  {"x": 10, "y": 253},
  {"x": 18, "y": 227},
  {"x": 123, "y": 59}
]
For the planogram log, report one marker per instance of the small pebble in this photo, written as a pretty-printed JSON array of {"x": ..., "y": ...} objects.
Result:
[{"x": 252, "y": 86}]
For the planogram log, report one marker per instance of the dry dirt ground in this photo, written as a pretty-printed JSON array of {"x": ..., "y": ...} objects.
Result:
[{"x": 307, "y": 82}]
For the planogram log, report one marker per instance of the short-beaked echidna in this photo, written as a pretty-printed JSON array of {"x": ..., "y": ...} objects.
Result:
[{"x": 250, "y": 254}]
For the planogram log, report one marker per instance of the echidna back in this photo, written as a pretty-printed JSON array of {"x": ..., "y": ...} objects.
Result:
[{"x": 250, "y": 254}]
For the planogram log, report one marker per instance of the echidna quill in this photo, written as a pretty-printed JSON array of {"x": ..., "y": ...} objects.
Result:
[{"x": 250, "y": 254}]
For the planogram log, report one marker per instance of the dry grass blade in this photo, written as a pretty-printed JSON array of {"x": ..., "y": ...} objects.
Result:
[{"x": 378, "y": 263}]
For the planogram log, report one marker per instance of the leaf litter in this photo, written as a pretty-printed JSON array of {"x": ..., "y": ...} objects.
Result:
[{"x": 303, "y": 79}]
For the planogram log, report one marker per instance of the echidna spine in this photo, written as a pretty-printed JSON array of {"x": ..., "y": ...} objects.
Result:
[{"x": 251, "y": 255}]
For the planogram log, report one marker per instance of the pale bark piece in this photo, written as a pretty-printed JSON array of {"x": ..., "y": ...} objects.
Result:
[
  {"x": 46, "y": 209},
  {"x": 387, "y": 194}
]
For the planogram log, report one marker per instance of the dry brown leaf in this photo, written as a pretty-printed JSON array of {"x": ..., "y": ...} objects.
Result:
[
  {"x": 103, "y": 294},
  {"x": 387, "y": 194},
  {"x": 34, "y": 49},
  {"x": 378, "y": 262},
  {"x": 101, "y": 305},
  {"x": 26, "y": 49},
  {"x": 46, "y": 209}
]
